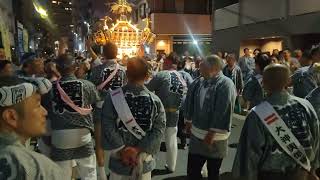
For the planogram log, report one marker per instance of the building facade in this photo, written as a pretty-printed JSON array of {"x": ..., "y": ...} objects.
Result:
[
  {"x": 61, "y": 16},
  {"x": 82, "y": 18},
  {"x": 7, "y": 27},
  {"x": 180, "y": 25},
  {"x": 267, "y": 25}
]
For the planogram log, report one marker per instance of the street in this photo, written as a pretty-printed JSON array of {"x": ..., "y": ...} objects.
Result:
[{"x": 181, "y": 169}]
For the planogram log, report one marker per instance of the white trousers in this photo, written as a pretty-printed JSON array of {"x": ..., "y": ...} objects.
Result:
[
  {"x": 172, "y": 147},
  {"x": 86, "y": 167},
  {"x": 114, "y": 176}
]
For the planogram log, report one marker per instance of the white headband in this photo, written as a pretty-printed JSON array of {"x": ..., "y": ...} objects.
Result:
[{"x": 11, "y": 95}]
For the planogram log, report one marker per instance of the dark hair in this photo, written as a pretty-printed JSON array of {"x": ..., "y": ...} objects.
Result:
[
  {"x": 306, "y": 54},
  {"x": 257, "y": 49},
  {"x": 244, "y": 50},
  {"x": 262, "y": 61},
  {"x": 28, "y": 57},
  {"x": 137, "y": 69},
  {"x": 181, "y": 64},
  {"x": 232, "y": 55},
  {"x": 110, "y": 50},
  {"x": 174, "y": 58},
  {"x": 65, "y": 64},
  {"x": 3, "y": 64}
]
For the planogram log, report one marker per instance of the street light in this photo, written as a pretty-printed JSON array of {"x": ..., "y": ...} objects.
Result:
[
  {"x": 43, "y": 13},
  {"x": 195, "y": 42}
]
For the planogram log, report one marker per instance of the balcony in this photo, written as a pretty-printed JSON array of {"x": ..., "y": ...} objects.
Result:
[{"x": 181, "y": 24}]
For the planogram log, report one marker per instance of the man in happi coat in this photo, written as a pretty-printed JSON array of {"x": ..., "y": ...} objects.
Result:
[
  {"x": 247, "y": 65},
  {"x": 23, "y": 117},
  {"x": 170, "y": 87},
  {"x": 314, "y": 96},
  {"x": 304, "y": 79},
  {"x": 259, "y": 154},
  {"x": 181, "y": 128},
  {"x": 233, "y": 71},
  {"x": 107, "y": 76},
  {"x": 71, "y": 120},
  {"x": 133, "y": 124},
  {"x": 253, "y": 91},
  {"x": 32, "y": 65},
  {"x": 208, "y": 113}
]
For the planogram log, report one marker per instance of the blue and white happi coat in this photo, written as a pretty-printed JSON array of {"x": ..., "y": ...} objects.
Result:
[
  {"x": 304, "y": 81},
  {"x": 170, "y": 90},
  {"x": 99, "y": 74},
  {"x": 83, "y": 93},
  {"x": 18, "y": 162},
  {"x": 253, "y": 91},
  {"x": 259, "y": 152},
  {"x": 314, "y": 98},
  {"x": 149, "y": 114},
  {"x": 209, "y": 105}
]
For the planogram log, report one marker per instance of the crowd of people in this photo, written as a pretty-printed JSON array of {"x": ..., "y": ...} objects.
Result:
[{"x": 78, "y": 111}]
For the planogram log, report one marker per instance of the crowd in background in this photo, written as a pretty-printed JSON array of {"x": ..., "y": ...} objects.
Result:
[{"x": 195, "y": 73}]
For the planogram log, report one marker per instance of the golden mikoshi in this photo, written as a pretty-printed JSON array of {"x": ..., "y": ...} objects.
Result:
[{"x": 123, "y": 33}]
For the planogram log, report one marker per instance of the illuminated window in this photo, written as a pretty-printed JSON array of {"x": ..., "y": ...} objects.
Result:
[
  {"x": 54, "y": 2},
  {"x": 70, "y": 3}
]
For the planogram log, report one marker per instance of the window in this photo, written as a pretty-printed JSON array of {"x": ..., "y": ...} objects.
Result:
[
  {"x": 180, "y": 6},
  {"x": 169, "y": 6},
  {"x": 196, "y": 6}
]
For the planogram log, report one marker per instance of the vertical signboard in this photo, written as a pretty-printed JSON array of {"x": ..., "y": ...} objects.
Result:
[{"x": 20, "y": 40}]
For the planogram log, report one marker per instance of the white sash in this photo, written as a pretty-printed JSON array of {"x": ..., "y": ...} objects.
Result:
[
  {"x": 201, "y": 134},
  {"x": 125, "y": 115},
  {"x": 104, "y": 83},
  {"x": 70, "y": 138},
  {"x": 183, "y": 82},
  {"x": 282, "y": 134}
]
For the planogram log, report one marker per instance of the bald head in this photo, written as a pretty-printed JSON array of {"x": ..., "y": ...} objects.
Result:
[
  {"x": 213, "y": 61},
  {"x": 275, "y": 77}
]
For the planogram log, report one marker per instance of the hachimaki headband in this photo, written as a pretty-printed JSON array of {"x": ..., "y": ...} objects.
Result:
[{"x": 11, "y": 95}]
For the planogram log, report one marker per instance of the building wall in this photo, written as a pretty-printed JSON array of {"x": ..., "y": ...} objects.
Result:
[
  {"x": 270, "y": 45},
  {"x": 260, "y": 10},
  {"x": 303, "y": 7},
  {"x": 164, "y": 42},
  {"x": 266, "y": 45},
  {"x": 257, "y": 11},
  {"x": 7, "y": 26},
  {"x": 227, "y": 17},
  {"x": 173, "y": 17},
  {"x": 181, "y": 23},
  {"x": 269, "y": 21}
]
